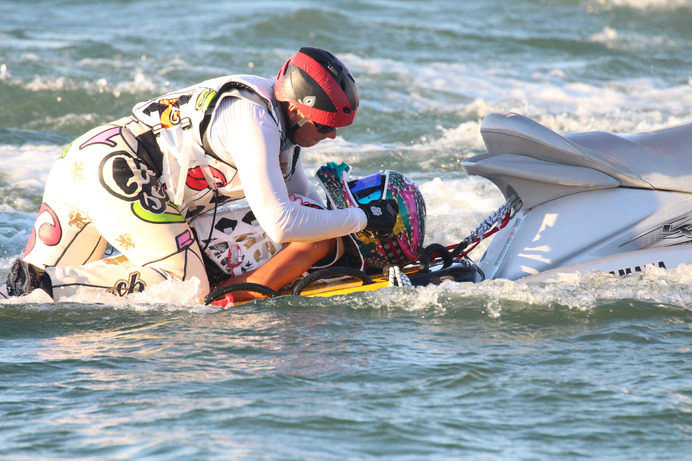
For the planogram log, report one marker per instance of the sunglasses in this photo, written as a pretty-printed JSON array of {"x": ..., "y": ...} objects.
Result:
[{"x": 324, "y": 129}]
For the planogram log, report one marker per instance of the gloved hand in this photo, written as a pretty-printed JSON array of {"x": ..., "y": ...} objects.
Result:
[{"x": 381, "y": 215}]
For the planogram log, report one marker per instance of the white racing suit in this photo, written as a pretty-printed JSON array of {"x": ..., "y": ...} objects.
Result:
[{"x": 137, "y": 182}]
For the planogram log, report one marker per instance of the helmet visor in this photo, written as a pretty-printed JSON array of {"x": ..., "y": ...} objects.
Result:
[{"x": 367, "y": 189}]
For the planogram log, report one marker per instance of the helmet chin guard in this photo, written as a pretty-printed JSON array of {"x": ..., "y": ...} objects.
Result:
[{"x": 405, "y": 244}]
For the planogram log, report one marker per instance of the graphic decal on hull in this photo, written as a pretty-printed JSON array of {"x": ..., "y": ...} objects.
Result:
[
  {"x": 629, "y": 270},
  {"x": 674, "y": 232},
  {"x": 669, "y": 231}
]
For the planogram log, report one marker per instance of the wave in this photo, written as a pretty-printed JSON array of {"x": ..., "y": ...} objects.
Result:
[
  {"x": 668, "y": 5},
  {"x": 589, "y": 296}
]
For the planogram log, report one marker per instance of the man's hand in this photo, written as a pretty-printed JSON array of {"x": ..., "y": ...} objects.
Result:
[{"x": 381, "y": 215}]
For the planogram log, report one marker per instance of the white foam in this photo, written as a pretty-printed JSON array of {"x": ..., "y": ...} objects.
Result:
[
  {"x": 168, "y": 295},
  {"x": 474, "y": 90},
  {"x": 643, "y": 4},
  {"x": 576, "y": 292},
  {"x": 624, "y": 106},
  {"x": 339, "y": 150},
  {"x": 14, "y": 235},
  {"x": 27, "y": 166},
  {"x": 456, "y": 207},
  {"x": 581, "y": 291},
  {"x": 141, "y": 81}
]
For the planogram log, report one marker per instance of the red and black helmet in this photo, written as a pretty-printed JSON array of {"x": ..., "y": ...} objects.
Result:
[{"x": 320, "y": 85}]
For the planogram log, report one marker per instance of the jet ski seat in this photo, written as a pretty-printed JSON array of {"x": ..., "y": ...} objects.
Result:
[{"x": 660, "y": 160}]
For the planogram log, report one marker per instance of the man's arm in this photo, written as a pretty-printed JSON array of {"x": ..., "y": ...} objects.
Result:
[{"x": 247, "y": 135}]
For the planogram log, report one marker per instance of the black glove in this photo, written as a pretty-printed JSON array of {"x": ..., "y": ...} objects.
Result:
[{"x": 381, "y": 215}]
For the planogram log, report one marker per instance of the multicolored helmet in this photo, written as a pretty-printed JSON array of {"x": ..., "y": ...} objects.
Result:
[
  {"x": 320, "y": 85},
  {"x": 405, "y": 244}
]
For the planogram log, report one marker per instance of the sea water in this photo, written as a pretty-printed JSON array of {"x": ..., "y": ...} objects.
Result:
[{"x": 584, "y": 367}]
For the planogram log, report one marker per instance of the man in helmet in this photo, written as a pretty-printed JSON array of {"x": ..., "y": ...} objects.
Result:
[{"x": 137, "y": 182}]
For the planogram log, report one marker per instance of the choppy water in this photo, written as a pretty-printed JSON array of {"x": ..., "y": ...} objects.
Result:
[{"x": 589, "y": 367}]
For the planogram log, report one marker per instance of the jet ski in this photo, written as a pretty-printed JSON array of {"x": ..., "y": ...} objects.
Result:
[{"x": 586, "y": 201}]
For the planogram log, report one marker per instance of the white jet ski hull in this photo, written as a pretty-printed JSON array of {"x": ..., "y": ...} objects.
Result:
[{"x": 583, "y": 208}]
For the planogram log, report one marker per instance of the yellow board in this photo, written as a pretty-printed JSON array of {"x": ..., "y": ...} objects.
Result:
[{"x": 343, "y": 287}]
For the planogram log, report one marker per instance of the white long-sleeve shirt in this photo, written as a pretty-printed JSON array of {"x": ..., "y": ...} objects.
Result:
[{"x": 244, "y": 134}]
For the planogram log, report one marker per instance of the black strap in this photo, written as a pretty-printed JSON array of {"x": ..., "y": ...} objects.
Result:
[
  {"x": 236, "y": 287},
  {"x": 334, "y": 271},
  {"x": 435, "y": 249},
  {"x": 213, "y": 220},
  {"x": 296, "y": 155}
]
